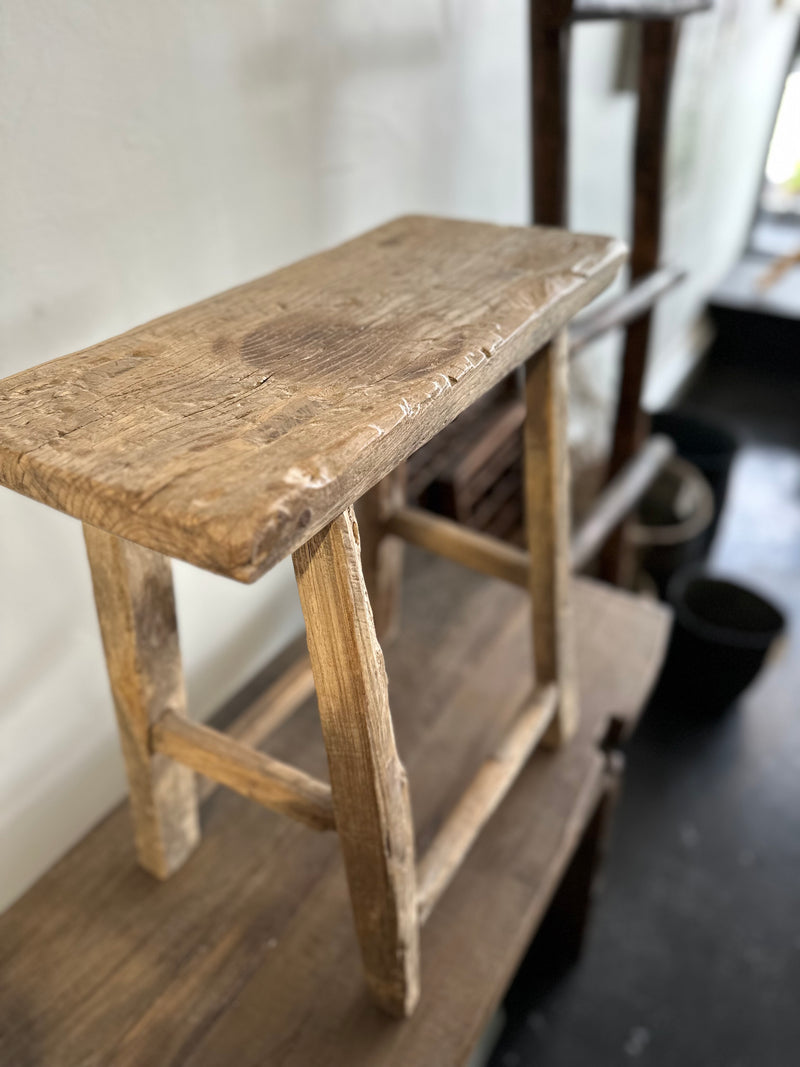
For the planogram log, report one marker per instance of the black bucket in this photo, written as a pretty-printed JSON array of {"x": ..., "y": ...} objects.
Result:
[
  {"x": 721, "y": 636},
  {"x": 710, "y": 446}
]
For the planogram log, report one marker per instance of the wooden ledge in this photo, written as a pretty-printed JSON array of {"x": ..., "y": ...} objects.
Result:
[{"x": 228, "y": 433}]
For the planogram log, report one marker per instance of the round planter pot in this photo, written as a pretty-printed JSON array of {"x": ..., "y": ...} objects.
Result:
[
  {"x": 721, "y": 636},
  {"x": 671, "y": 525},
  {"x": 706, "y": 444}
]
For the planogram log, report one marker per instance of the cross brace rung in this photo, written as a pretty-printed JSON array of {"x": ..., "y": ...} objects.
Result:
[
  {"x": 488, "y": 555},
  {"x": 269, "y": 711},
  {"x": 268, "y": 781},
  {"x": 481, "y": 799}
]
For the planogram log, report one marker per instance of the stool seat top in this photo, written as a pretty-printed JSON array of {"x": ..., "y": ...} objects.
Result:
[{"x": 229, "y": 432}]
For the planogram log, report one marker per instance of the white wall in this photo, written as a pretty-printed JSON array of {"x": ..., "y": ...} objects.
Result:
[{"x": 155, "y": 153}]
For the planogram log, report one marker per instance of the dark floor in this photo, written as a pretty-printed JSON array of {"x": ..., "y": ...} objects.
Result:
[{"x": 693, "y": 956}]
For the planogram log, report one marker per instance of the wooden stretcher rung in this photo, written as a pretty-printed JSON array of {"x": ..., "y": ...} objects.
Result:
[
  {"x": 488, "y": 555},
  {"x": 623, "y": 309},
  {"x": 481, "y": 799},
  {"x": 272, "y": 708},
  {"x": 619, "y": 498},
  {"x": 268, "y": 781}
]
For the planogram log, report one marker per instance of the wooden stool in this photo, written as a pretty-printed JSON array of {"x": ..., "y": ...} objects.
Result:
[{"x": 245, "y": 428}]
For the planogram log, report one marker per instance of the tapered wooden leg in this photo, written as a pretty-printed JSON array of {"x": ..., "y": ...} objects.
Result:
[
  {"x": 370, "y": 791},
  {"x": 381, "y": 552},
  {"x": 547, "y": 523},
  {"x": 136, "y": 609}
]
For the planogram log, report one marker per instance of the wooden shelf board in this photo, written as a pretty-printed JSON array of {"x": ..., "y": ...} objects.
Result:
[{"x": 248, "y": 955}]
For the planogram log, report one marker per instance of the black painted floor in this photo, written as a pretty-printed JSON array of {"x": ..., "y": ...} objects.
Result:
[{"x": 693, "y": 955}]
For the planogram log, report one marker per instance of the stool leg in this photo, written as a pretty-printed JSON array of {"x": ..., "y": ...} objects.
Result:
[
  {"x": 370, "y": 791},
  {"x": 136, "y": 609},
  {"x": 381, "y": 553},
  {"x": 547, "y": 522}
]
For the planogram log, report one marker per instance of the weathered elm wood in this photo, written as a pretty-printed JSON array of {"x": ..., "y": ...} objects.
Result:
[
  {"x": 547, "y": 489},
  {"x": 276, "y": 785},
  {"x": 499, "y": 559},
  {"x": 382, "y": 553},
  {"x": 470, "y": 548},
  {"x": 136, "y": 610},
  {"x": 220, "y": 965},
  {"x": 266, "y": 713},
  {"x": 370, "y": 790},
  {"x": 626, "y": 307},
  {"x": 619, "y": 497},
  {"x": 227, "y": 433},
  {"x": 637, "y": 9},
  {"x": 481, "y": 799}
]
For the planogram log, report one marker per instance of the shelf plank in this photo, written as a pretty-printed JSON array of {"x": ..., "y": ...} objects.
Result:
[{"x": 248, "y": 954}]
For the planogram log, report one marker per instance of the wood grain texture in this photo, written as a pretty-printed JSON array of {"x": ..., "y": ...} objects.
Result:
[
  {"x": 249, "y": 956},
  {"x": 547, "y": 497},
  {"x": 370, "y": 790},
  {"x": 278, "y": 786},
  {"x": 136, "y": 610},
  {"x": 228, "y": 433},
  {"x": 381, "y": 552},
  {"x": 481, "y": 799}
]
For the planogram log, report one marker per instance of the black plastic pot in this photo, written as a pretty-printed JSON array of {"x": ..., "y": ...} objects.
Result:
[
  {"x": 721, "y": 636},
  {"x": 710, "y": 446},
  {"x": 671, "y": 525}
]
